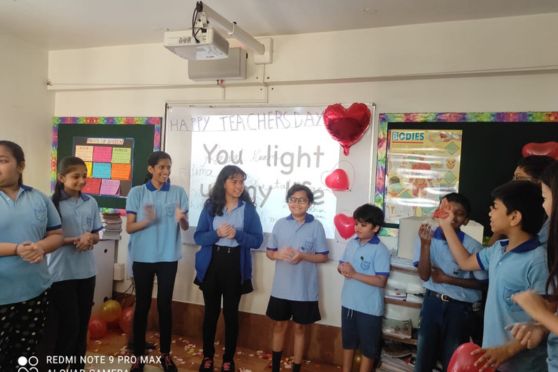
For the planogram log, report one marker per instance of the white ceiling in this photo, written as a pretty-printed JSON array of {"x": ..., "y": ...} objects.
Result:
[{"x": 67, "y": 24}]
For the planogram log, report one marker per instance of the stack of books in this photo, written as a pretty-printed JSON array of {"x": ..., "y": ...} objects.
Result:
[{"x": 112, "y": 226}]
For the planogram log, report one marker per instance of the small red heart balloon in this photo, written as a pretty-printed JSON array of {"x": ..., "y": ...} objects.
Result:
[
  {"x": 540, "y": 148},
  {"x": 463, "y": 361},
  {"x": 345, "y": 225},
  {"x": 347, "y": 126},
  {"x": 337, "y": 180}
]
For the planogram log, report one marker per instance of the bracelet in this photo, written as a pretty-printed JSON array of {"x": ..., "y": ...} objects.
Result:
[{"x": 15, "y": 251}]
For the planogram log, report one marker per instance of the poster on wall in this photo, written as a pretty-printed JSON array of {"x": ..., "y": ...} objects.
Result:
[
  {"x": 109, "y": 164},
  {"x": 422, "y": 166}
]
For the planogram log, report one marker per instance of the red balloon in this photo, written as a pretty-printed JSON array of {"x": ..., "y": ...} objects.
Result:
[
  {"x": 97, "y": 327},
  {"x": 126, "y": 320},
  {"x": 347, "y": 126},
  {"x": 544, "y": 148},
  {"x": 463, "y": 361},
  {"x": 345, "y": 225},
  {"x": 337, "y": 180}
]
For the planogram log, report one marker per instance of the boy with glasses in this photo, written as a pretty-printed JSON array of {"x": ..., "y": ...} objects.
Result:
[{"x": 297, "y": 244}]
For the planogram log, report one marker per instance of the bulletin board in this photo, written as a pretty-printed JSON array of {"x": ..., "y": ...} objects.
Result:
[
  {"x": 490, "y": 147},
  {"x": 115, "y": 151}
]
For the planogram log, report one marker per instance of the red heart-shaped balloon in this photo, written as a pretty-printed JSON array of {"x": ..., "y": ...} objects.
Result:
[
  {"x": 540, "y": 148},
  {"x": 345, "y": 225},
  {"x": 337, "y": 180},
  {"x": 347, "y": 126},
  {"x": 463, "y": 361}
]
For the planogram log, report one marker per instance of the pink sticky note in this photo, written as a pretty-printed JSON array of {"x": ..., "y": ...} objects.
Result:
[
  {"x": 92, "y": 186},
  {"x": 102, "y": 154},
  {"x": 110, "y": 187}
]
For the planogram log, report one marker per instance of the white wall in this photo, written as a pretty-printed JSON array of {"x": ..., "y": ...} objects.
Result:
[
  {"x": 26, "y": 106},
  {"x": 505, "y": 64}
]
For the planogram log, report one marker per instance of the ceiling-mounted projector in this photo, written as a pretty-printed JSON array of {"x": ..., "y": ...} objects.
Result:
[{"x": 209, "y": 45}]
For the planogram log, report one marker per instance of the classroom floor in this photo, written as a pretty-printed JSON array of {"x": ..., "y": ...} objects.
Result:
[{"x": 109, "y": 353}]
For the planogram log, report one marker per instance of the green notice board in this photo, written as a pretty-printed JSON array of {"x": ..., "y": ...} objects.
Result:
[{"x": 115, "y": 150}]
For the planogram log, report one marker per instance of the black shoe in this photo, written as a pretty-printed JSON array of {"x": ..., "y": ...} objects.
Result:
[
  {"x": 167, "y": 363},
  {"x": 137, "y": 366},
  {"x": 206, "y": 365},
  {"x": 228, "y": 366}
]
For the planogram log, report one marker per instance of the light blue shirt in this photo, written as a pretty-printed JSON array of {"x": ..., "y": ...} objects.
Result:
[
  {"x": 28, "y": 218},
  {"x": 543, "y": 232},
  {"x": 552, "y": 350},
  {"x": 79, "y": 215},
  {"x": 511, "y": 272},
  {"x": 297, "y": 282},
  {"x": 160, "y": 241},
  {"x": 369, "y": 258},
  {"x": 235, "y": 218},
  {"x": 441, "y": 257}
]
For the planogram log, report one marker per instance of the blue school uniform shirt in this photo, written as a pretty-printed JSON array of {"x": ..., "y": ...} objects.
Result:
[
  {"x": 370, "y": 258},
  {"x": 511, "y": 272},
  {"x": 543, "y": 232},
  {"x": 79, "y": 215},
  {"x": 235, "y": 218},
  {"x": 441, "y": 257},
  {"x": 160, "y": 241},
  {"x": 28, "y": 218},
  {"x": 297, "y": 282}
]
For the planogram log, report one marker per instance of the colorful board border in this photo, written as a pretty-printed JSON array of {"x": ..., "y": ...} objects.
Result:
[
  {"x": 440, "y": 117},
  {"x": 100, "y": 120}
]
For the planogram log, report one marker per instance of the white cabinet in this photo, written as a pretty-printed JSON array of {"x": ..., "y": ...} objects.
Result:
[{"x": 104, "y": 256}]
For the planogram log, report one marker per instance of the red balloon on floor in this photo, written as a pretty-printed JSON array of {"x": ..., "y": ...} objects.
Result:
[
  {"x": 463, "y": 361},
  {"x": 126, "y": 320},
  {"x": 97, "y": 328}
]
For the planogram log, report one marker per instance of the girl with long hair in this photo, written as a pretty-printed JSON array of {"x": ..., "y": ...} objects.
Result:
[
  {"x": 29, "y": 228},
  {"x": 156, "y": 212},
  {"x": 228, "y": 228}
]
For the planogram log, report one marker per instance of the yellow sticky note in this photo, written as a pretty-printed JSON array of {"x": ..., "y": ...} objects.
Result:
[
  {"x": 85, "y": 153},
  {"x": 121, "y": 155},
  {"x": 89, "y": 166}
]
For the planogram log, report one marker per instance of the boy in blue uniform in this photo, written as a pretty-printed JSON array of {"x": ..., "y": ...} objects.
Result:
[
  {"x": 513, "y": 265},
  {"x": 297, "y": 245},
  {"x": 448, "y": 316},
  {"x": 29, "y": 228},
  {"x": 365, "y": 266}
]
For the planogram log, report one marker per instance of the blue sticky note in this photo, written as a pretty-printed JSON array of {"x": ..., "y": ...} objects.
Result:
[{"x": 101, "y": 170}]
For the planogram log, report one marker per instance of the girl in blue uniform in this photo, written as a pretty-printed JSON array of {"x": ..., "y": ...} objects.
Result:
[
  {"x": 228, "y": 228},
  {"x": 29, "y": 228},
  {"x": 542, "y": 312},
  {"x": 156, "y": 212},
  {"x": 72, "y": 266}
]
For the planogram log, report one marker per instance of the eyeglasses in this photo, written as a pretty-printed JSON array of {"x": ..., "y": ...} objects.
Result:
[{"x": 297, "y": 200}]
